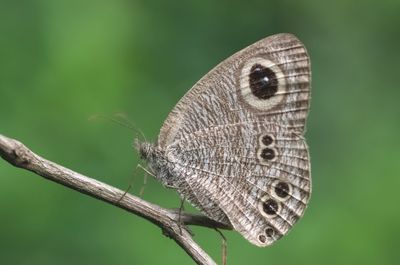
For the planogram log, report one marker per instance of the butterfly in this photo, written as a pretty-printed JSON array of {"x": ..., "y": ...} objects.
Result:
[{"x": 234, "y": 145}]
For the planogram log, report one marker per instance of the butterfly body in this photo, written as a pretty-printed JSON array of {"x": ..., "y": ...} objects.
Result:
[{"x": 234, "y": 146}]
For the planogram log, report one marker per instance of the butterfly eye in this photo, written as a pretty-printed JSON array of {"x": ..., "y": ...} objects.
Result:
[{"x": 262, "y": 81}]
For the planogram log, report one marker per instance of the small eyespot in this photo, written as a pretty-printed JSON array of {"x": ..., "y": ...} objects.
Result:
[
  {"x": 270, "y": 207},
  {"x": 267, "y": 154},
  {"x": 262, "y": 238},
  {"x": 282, "y": 189},
  {"x": 267, "y": 140},
  {"x": 263, "y": 82},
  {"x": 270, "y": 232}
]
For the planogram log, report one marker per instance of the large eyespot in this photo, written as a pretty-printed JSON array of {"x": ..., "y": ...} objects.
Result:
[
  {"x": 262, "y": 84},
  {"x": 262, "y": 81}
]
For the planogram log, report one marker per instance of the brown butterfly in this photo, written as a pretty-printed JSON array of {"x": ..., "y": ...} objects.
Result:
[{"x": 233, "y": 145}]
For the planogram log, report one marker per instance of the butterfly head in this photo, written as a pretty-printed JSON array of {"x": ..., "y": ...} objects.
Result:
[
  {"x": 146, "y": 150},
  {"x": 157, "y": 162}
]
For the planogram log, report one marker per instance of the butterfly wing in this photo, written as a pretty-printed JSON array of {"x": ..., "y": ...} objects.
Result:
[
  {"x": 237, "y": 139},
  {"x": 220, "y": 89}
]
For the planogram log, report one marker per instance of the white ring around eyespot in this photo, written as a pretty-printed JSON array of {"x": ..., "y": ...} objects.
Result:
[{"x": 245, "y": 91}]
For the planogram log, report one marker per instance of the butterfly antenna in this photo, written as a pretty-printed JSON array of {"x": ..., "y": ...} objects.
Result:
[{"x": 122, "y": 120}]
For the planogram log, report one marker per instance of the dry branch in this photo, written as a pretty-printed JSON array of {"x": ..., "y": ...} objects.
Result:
[{"x": 19, "y": 155}]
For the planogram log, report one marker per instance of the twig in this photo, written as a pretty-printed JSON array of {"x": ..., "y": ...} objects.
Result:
[{"x": 20, "y": 156}]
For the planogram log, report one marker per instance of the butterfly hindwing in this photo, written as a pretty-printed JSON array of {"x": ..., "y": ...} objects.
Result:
[{"x": 236, "y": 180}]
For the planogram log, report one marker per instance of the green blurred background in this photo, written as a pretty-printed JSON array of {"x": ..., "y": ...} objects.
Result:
[{"x": 63, "y": 61}]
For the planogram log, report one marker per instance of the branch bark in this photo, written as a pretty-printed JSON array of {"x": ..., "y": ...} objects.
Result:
[{"x": 20, "y": 156}]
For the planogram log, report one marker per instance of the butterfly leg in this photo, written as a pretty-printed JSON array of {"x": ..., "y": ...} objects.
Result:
[
  {"x": 129, "y": 186},
  {"x": 181, "y": 208},
  {"x": 144, "y": 179},
  {"x": 224, "y": 246}
]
